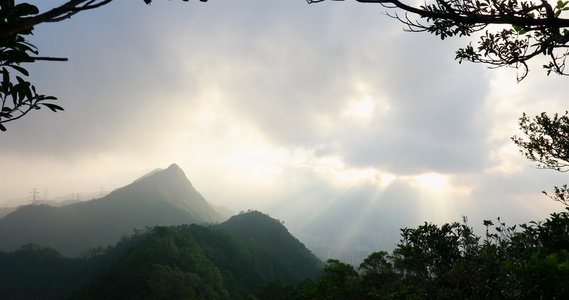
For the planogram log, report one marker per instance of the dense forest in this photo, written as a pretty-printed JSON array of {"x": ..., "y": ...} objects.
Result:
[
  {"x": 165, "y": 262},
  {"x": 527, "y": 261},
  {"x": 231, "y": 261}
]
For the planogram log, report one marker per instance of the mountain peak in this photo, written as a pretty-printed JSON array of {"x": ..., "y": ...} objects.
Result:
[
  {"x": 173, "y": 169},
  {"x": 162, "y": 197},
  {"x": 172, "y": 186}
]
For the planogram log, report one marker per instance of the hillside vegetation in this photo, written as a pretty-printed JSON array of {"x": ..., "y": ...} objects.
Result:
[
  {"x": 163, "y": 262},
  {"x": 528, "y": 261}
]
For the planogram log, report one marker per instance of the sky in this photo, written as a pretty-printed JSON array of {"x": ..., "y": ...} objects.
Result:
[{"x": 327, "y": 116}]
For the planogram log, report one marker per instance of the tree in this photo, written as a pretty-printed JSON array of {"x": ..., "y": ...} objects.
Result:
[
  {"x": 546, "y": 141},
  {"x": 525, "y": 261},
  {"x": 528, "y": 261},
  {"x": 18, "y": 96},
  {"x": 378, "y": 276},
  {"x": 434, "y": 260},
  {"x": 17, "y": 21},
  {"x": 536, "y": 28},
  {"x": 338, "y": 281}
]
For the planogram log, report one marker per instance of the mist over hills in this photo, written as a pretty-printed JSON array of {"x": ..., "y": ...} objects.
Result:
[
  {"x": 183, "y": 247},
  {"x": 162, "y": 197},
  {"x": 6, "y": 210},
  {"x": 166, "y": 262},
  {"x": 166, "y": 197}
]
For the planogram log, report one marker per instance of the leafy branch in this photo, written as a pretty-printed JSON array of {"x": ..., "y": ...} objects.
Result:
[
  {"x": 536, "y": 28},
  {"x": 546, "y": 141},
  {"x": 57, "y": 14},
  {"x": 19, "y": 96}
]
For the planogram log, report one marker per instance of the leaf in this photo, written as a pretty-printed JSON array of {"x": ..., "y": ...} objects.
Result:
[
  {"x": 6, "y": 76},
  {"x": 21, "y": 70},
  {"x": 519, "y": 29},
  {"x": 52, "y": 107},
  {"x": 25, "y": 9}
]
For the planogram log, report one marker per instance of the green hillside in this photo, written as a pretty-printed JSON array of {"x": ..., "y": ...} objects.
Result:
[
  {"x": 269, "y": 237},
  {"x": 175, "y": 262}
]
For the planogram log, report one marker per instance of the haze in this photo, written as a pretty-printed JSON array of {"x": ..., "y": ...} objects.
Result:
[{"x": 323, "y": 115}]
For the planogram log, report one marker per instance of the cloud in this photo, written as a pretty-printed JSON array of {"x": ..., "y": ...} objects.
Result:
[{"x": 323, "y": 115}]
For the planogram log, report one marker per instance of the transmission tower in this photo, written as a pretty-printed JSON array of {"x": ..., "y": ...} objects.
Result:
[{"x": 34, "y": 196}]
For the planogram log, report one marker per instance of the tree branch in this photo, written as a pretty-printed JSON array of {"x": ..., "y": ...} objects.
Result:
[
  {"x": 54, "y": 15},
  {"x": 31, "y": 58},
  {"x": 472, "y": 19}
]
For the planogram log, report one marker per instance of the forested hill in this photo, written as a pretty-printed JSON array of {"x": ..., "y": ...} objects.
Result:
[
  {"x": 263, "y": 232},
  {"x": 164, "y": 197},
  {"x": 175, "y": 262}
]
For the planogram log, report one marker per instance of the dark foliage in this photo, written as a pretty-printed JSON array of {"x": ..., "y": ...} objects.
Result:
[
  {"x": 529, "y": 261},
  {"x": 270, "y": 241},
  {"x": 527, "y": 29},
  {"x": 546, "y": 141},
  {"x": 193, "y": 262},
  {"x": 37, "y": 272},
  {"x": 181, "y": 262},
  {"x": 18, "y": 96}
]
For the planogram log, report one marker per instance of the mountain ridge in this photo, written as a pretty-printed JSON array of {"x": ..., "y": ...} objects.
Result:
[{"x": 162, "y": 197}]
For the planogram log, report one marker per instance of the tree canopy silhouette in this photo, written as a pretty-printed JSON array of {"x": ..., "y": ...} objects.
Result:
[
  {"x": 17, "y": 21},
  {"x": 536, "y": 28},
  {"x": 546, "y": 141}
]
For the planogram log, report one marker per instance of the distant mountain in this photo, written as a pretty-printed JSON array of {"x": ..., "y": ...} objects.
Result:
[
  {"x": 174, "y": 262},
  {"x": 163, "y": 197}
]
